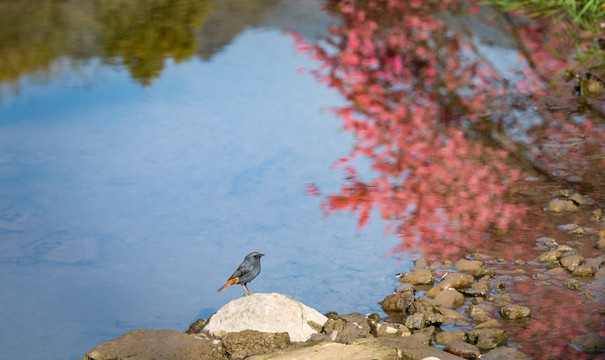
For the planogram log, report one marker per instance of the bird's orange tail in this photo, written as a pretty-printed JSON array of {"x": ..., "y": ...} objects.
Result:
[{"x": 227, "y": 284}]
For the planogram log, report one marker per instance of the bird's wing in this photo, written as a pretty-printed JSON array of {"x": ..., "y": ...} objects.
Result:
[{"x": 241, "y": 270}]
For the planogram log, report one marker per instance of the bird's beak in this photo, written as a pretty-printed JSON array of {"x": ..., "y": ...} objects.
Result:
[{"x": 262, "y": 254}]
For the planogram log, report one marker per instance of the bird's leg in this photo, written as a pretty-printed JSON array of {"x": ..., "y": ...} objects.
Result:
[{"x": 246, "y": 288}]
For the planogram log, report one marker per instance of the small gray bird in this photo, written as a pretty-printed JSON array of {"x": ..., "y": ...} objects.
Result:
[{"x": 246, "y": 272}]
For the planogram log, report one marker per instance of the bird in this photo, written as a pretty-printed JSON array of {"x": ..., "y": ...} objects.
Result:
[{"x": 246, "y": 272}]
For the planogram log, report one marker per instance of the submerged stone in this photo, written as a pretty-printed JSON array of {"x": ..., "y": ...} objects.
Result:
[{"x": 511, "y": 311}]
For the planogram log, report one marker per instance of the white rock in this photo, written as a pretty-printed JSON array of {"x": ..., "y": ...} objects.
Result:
[{"x": 267, "y": 313}]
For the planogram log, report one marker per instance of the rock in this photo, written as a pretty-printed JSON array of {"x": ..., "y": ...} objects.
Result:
[
  {"x": 356, "y": 327},
  {"x": 196, "y": 326},
  {"x": 600, "y": 244},
  {"x": 468, "y": 265},
  {"x": 399, "y": 302},
  {"x": 477, "y": 313},
  {"x": 446, "y": 337},
  {"x": 423, "y": 336},
  {"x": 157, "y": 344},
  {"x": 410, "y": 349},
  {"x": 556, "y": 271},
  {"x": 549, "y": 256},
  {"x": 266, "y": 313},
  {"x": 564, "y": 248},
  {"x": 463, "y": 349},
  {"x": 449, "y": 298},
  {"x": 546, "y": 242},
  {"x": 482, "y": 273},
  {"x": 334, "y": 327},
  {"x": 386, "y": 329},
  {"x": 584, "y": 270},
  {"x": 572, "y": 261},
  {"x": 415, "y": 321},
  {"x": 403, "y": 287},
  {"x": 558, "y": 205},
  {"x": 590, "y": 343},
  {"x": 251, "y": 342},
  {"x": 451, "y": 314},
  {"x": 487, "y": 339},
  {"x": 432, "y": 292},
  {"x": 455, "y": 281},
  {"x": 504, "y": 353},
  {"x": 579, "y": 199},
  {"x": 497, "y": 285},
  {"x": 515, "y": 311},
  {"x": 488, "y": 324},
  {"x": 418, "y": 277},
  {"x": 421, "y": 263},
  {"x": 360, "y": 350}
]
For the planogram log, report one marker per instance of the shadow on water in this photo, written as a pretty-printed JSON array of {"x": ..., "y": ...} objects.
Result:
[
  {"x": 465, "y": 127},
  {"x": 472, "y": 125}
]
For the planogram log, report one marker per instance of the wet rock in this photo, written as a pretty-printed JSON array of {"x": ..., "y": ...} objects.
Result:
[
  {"x": 515, "y": 311},
  {"x": 477, "y": 300},
  {"x": 573, "y": 285},
  {"x": 556, "y": 271},
  {"x": 446, "y": 337},
  {"x": 480, "y": 286},
  {"x": 497, "y": 285},
  {"x": 474, "y": 293},
  {"x": 405, "y": 287},
  {"x": 549, "y": 256},
  {"x": 449, "y": 298},
  {"x": 572, "y": 261},
  {"x": 487, "y": 339},
  {"x": 432, "y": 292},
  {"x": 421, "y": 264},
  {"x": 398, "y": 302},
  {"x": 477, "y": 313},
  {"x": 579, "y": 199},
  {"x": 565, "y": 249},
  {"x": 590, "y": 343},
  {"x": 251, "y": 342},
  {"x": 600, "y": 244},
  {"x": 468, "y": 265},
  {"x": 484, "y": 273},
  {"x": 455, "y": 281},
  {"x": 583, "y": 270},
  {"x": 504, "y": 353},
  {"x": 158, "y": 344},
  {"x": 488, "y": 324},
  {"x": 463, "y": 349},
  {"x": 558, "y": 205},
  {"x": 418, "y": 277},
  {"x": 271, "y": 313},
  {"x": 545, "y": 243}
]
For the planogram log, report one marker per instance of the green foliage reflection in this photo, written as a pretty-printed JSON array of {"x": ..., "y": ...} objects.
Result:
[{"x": 142, "y": 33}]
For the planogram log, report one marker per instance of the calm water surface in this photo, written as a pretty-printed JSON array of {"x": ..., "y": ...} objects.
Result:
[
  {"x": 126, "y": 207},
  {"x": 147, "y": 147}
]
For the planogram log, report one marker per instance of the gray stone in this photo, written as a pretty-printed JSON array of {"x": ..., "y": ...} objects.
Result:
[
  {"x": 415, "y": 321},
  {"x": 405, "y": 287},
  {"x": 272, "y": 313}
]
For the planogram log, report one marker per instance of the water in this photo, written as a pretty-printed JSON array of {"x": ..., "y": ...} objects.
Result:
[
  {"x": 126, "y": 207},
  {"x": 146, "y": 149}
]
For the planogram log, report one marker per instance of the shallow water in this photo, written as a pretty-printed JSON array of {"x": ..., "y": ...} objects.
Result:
[{"x": 141, "y": 160}]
